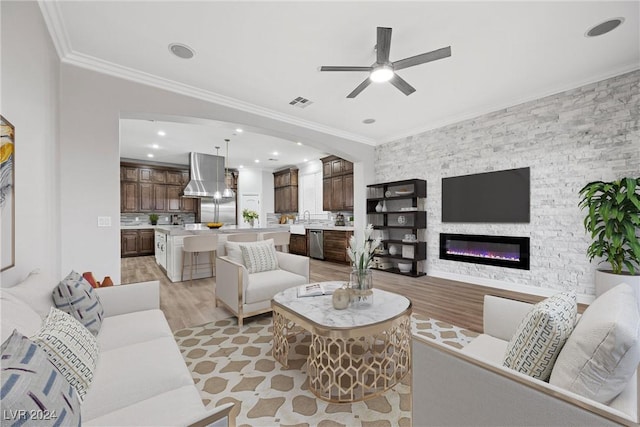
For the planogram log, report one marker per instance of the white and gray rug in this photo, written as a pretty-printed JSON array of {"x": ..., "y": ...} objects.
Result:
[{"x": 231, "y": 364}]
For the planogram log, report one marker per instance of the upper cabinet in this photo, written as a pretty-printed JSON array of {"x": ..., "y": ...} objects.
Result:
[
  {"x": 154, "y": 189},
  {"x": 285, "y": 183},
  {"x": 337, "y": 184}
]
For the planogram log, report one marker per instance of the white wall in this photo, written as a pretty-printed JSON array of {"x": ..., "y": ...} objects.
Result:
[
  {"x": 29, "y": 100},
  {"x": 568, "y": 139},
  {"x": 310, "y": 187},
  {"x": 256, "y": 181}
]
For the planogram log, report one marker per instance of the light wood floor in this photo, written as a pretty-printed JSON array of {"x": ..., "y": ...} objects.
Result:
[{"x": 187, "y": 304}]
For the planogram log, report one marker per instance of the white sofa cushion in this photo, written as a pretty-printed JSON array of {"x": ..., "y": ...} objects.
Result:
[
  {"x": 534, "y": 347},
  {"x": 234, "y": 252},
  {"x": 170, "y": 408},
  {"x": 140, "y": 326},
  {"x": 70, "y": 347},
  {"x": 134, "y": 373},
  {"x": 31, "y": 383},
  {"x": 259, "y": 256},
  {"x": 77, "y": 297},
  {"x": 603, "y": 352},
  {"x": 36, "y": 290},
  {"x": 16, "y": 314},
  {"x": 264, "y": 285},
  {"x": 487, "y": 348}
]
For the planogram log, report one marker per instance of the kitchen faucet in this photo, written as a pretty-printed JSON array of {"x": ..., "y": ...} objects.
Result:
[{"x": 306, "y": 216}]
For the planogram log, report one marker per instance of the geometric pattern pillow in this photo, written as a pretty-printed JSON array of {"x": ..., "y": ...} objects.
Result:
[
  {"x": 33, "y": 388},
  {"x": 534, "y": 347},
  {"x": 75, "y": 296},
  {"x": 259, "y": 256},
  {"x": 70, "y": 347}
]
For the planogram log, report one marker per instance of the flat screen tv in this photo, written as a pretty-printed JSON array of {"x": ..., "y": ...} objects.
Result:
[{"x": 501, "y": 196}]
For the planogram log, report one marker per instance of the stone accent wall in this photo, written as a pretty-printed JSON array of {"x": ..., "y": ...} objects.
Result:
[{"x": 567, "y": 139}]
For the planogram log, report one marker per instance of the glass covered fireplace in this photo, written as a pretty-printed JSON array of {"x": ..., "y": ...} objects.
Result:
[{"x": 503, "y": 251}]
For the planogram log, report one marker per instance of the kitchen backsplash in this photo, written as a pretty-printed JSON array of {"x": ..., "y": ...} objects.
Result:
[
  {"x": 324, "y": 218},
  {"x": 165, "y": 218}
]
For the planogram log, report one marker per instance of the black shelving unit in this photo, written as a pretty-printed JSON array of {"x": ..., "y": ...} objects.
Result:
[{"x": 404, "y": 214}]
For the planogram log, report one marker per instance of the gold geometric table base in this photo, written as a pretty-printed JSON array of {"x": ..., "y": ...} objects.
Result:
[{"x": 348, "y": 365}]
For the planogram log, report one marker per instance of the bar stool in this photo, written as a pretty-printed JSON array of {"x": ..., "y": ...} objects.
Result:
[
  {"x": 242, "y": 237},
  {"x": 280, "y": 239},
  {"x": 195, "y": 245}
]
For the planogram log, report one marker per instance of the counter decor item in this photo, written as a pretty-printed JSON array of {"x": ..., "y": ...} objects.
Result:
[
  {"x": 340, "y": 298},
  {"x": 250, "y": 216},
  {"x": 154, "y": 218},
  {"x": 360, "y": 278},
  {"x": 215, "y": 225}
]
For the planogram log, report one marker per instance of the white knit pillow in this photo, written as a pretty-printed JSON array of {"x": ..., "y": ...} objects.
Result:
[
  {"x": 70, "y": 347},
  {"x": 259, "y": 256},
  {"x": 603, "y": 352},
  {"x": 534, "y": 347}
]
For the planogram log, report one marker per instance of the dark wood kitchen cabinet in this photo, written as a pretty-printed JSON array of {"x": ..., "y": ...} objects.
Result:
[
  {"x": 146, "y": 242},
  {"x": 129, "y": 196},
  {"x": 159, "y": 197},
  {"x": 337, "y": 184},
  {"x": 137, "y": 242},
  {"x": 298, "y": 244},
  {"x": 285, "y": 183},
  {"x": 335, "y": 246},
  {"x": 173, "y": 198}
]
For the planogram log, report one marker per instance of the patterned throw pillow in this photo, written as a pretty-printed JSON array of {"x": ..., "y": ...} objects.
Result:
[
  {"x": 259, "y": 256},
  {"x": 32, "y": 388},
  {"x": 534, "y": 347},
  {"x": 75, "y": 296},
  {"x": 70, "y": 347}
]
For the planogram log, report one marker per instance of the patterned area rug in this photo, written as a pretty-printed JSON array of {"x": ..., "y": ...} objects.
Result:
[{"x": 231, "y": 364}]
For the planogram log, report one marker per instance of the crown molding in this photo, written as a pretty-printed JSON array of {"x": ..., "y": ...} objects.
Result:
[
  {"x": 511, "y": 103},
  {"x": 55, "y": 24}
]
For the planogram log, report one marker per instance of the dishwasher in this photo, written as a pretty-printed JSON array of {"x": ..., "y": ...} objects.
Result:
[{"x": 316, "y": 241}]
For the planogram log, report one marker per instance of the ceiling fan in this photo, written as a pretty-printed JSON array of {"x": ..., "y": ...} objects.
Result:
[{"x": 383, "y": 70}]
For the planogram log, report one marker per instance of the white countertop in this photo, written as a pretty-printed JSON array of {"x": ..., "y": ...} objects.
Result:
[
  {"x": 138, "y": 227},
  {"x": 189, "y": 229}
]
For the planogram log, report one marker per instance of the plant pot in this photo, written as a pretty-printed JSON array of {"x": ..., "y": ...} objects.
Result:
[{"x": 606, "y": 279}]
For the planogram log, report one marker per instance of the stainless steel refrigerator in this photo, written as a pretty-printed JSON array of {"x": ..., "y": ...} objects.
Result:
[{"x": 226, "y": 209}]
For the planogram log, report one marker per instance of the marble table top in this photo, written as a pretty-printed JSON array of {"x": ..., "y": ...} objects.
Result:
[{"x": 319, "y": 309}]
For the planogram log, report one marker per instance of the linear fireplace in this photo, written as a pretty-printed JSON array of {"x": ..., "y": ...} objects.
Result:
[{"x": 503, "y": 251}]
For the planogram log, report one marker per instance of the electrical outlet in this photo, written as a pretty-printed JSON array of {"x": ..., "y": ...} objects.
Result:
[{"x": 104, "y": 221}]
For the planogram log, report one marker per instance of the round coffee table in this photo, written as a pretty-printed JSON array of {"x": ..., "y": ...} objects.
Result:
[{"x": 354, "y": 353}]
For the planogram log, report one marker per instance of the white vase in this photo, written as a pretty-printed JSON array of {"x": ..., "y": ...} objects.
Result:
[
  {"x": 384, "y": 206},
  {"x": 379, "y": 207},
  {"x": 606, "y": 280}
]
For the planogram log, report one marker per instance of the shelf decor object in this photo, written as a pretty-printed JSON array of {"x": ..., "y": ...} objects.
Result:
[{"x": 405, "y": 215}]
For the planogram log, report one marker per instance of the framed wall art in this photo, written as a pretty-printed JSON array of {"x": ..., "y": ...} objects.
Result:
[{"x": 7, "y": 194}]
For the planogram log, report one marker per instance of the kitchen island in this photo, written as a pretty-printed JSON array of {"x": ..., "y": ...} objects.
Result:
[{"x": 169, "y": 241}]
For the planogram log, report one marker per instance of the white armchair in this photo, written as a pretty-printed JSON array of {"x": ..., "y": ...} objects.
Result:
[{"x": 247, "y": 294}]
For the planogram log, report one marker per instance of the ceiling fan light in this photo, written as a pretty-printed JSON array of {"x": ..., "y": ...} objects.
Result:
[{"x": 381, "y": 74}]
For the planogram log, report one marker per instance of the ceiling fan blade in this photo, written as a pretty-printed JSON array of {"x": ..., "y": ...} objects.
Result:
[
  {"x": 360, "y": 88},
  {"x": 383, "y": 45},
  {"x": 345, "y": 68},
  {"x": 401, "y": 84},
  {"x": 445, "y": 52}
]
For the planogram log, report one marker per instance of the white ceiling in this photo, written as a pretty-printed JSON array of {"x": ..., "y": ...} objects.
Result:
[{"x": 261, "y": 55}]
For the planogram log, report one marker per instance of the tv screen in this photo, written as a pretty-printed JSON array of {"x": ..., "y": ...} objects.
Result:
[{"x": 501, "y": 196}]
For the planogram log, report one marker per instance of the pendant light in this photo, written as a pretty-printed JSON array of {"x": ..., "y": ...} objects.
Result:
[
  {"x": 228, "y": 192},
  {"x": 217, "y": 195}
]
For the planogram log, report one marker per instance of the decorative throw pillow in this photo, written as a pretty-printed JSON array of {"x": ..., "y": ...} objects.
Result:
[
  {"x": 70, "y": 347},
  {"x": 603, "y": 352},
  {"x": 75, "y": 296},
  {"x": 33, "y": 388},
  {"x": 259, "y": 256},
  {"x": 36, "y": 290},
  {"x": 233, "y": 252},
  {"x": 534, "y": 347}
]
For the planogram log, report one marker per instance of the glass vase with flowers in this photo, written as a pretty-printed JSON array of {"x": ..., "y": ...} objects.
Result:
[{"x": 361, "y": 279}]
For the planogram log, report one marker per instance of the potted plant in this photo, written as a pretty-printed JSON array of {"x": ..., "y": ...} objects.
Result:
[
  {"x": 250, "y": 216},
  {"x": 613, "y": 220},
  {"x": 154, "y": 218}
]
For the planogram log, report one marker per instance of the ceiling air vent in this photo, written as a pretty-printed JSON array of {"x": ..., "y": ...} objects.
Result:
[{"x": 301, "y": 102}]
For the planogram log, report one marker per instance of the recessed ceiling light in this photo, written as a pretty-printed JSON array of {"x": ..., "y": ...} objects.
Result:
[
  {"x": 161, "y": 133},
  {"x": 257, "y": 161},
  {"x": 156, "y": 146},
  {"x": 299, "y": 143},
  {"x": 241, "y": 166},
  {"x": 275, "y": 153},
  {"x": 238, "y": 130},
  {"x": 306, "y": 160},
  {"x": 149, "y": 155},
  {"x": 604, "y": 27},
  {"x": 181, "y": 50},
  {"x": 368, "y": 121}
]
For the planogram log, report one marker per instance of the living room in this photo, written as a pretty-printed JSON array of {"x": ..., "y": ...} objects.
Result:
[{"x": 66, "y": 117}]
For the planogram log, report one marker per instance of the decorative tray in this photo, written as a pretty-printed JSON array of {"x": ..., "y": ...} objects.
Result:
[{"x": 404, "y": 192}]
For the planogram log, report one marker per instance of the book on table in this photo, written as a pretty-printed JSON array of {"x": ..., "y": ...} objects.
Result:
[{"x": 317, "y": 289}]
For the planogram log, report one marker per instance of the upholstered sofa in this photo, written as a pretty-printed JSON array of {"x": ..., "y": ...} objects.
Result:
[
  {"x": 248, "y": 294},
  {"x": 470, "y": 386},
  {"x": 141, "y": 378}
]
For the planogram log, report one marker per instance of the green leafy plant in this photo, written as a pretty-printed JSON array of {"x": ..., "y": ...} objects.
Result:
[
  {"x": 249, "y": 215},
  {"x": 613, "y": 220},
  {"x": 154, "y": 218}
]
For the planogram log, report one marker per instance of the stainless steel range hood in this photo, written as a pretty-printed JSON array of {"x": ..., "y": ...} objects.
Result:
[{"x": 207, "y": 175}]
